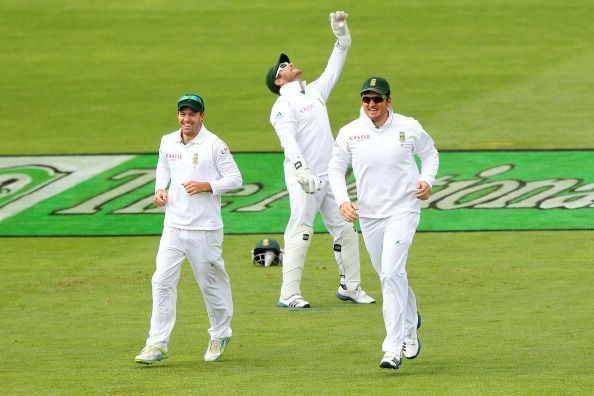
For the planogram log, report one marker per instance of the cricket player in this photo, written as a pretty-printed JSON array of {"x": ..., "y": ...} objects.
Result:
[
  {"x": 300, "y": 119},
  {"x": 382, "y": 145},
  {"x": 194, "y": 168}
]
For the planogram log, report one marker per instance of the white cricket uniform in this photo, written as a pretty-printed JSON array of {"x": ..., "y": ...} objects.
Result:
[
  {"x": 300, "y": 119},
  {"x": 383, "y": 162},
  {"x": 193, "y": 229}
]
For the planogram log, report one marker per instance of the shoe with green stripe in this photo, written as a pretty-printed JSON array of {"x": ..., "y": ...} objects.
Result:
[
  {"x": 151, "y": 354},
  {"x": 216, "y": 348}
]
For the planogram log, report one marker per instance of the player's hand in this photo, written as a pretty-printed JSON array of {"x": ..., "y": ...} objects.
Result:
[
  {"x": 349, "y": 211},
  {"x": 160, "y": 198},
  {"x": 338, "y": 23},
  {"x": 194, "y": 187},
  {"x": 308, "y": 180},
  {"x": 423, "y": 191}
]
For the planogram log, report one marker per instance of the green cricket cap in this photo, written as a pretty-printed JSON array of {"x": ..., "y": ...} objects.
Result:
[
  {"x": 268, "y": 244},
  {"x": 376, "y": 84},
  {"x": 271, "y": 75},
  {"x": 191, "y": 101}
]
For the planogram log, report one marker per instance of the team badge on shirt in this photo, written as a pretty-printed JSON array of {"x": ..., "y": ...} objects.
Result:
[
  {"x": 195, "y": 159},
  {"x": 402, "y": 137}
]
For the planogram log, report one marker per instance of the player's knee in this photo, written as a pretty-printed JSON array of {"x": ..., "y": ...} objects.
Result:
[
  {"x": 300, "y": 238},
  {"x": 393, "y": 276},
  {"x": 347, "y": 235},
  {"x": 161, "y": 283}
]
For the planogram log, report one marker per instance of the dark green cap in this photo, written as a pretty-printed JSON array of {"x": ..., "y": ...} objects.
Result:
[
  {"x": 271, "y": 75},
  {"x": 192, "y": 102},
  {"x": 376, "y": 84},
  {"x": 261, "y": 254},
  {"x": 268, "y": 244}
]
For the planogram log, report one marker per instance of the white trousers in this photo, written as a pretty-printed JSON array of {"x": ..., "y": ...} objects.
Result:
[
  {"x": 203, "y": 249},
  {"x": 388, "y": 241},
  {"x": 304, "y": 208}
]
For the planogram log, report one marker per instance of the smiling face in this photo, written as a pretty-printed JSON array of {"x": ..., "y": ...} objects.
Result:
[
  {"x": 190, "y": 123},
  {"x": 375, "y": 107}
]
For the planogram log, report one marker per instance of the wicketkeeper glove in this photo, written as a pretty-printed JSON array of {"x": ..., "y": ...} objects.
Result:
[
  {"x": 308, "y": 180},
  {"x": 338, "y": 22}
]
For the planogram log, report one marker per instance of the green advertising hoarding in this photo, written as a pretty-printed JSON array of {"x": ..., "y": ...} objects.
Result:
[{"x": 79, "y": 195}]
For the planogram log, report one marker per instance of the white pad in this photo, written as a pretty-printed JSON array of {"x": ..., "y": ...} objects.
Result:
[
  {"x": 295, "y": 253},
  {"x": 346, "y": 252}
]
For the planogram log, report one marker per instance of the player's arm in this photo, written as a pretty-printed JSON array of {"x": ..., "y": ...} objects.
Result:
[
  {"x": 330, "y": 75},
  {"x": 227, "y": 168},
  {"x": 426, "y": 151},
  {"x": 162, "y": 178},
  {"x": 285, "y": 126},
  {"x": 229, "y": 175},
  {"x": 337, "y": 168}
]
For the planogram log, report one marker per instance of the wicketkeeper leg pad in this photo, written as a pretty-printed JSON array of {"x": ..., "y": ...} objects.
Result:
[
  {"x": 295, "y": 253},
  {"x": 346, "y": 252}
]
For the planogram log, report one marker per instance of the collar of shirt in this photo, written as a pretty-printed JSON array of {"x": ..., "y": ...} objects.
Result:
[
  {"x": 367, "y": 121},
  {"x": 293, "y": 88},
  {"x": 197, "y": 140}
]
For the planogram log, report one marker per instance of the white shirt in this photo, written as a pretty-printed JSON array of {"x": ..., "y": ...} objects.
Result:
[
  {"x": 301, "y": 122},
  {"x": 206, "y": 158},
  {"x": 383, "y": 161}
]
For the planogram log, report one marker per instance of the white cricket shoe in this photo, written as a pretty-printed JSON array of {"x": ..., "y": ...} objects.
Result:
[
  {"x": 411, "y": 347},
  {"x": 151, "y": 354},
  {"x": 390, "y": 361},
  {"x": 358, "y": 296},
  {"x": 295, "y": 301},
  {"x": 216, "y": 348}
]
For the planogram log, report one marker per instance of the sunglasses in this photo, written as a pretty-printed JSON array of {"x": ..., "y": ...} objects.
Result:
[
  {"x": 281, "y": 67},
  {"x": 376, "y": 99}
]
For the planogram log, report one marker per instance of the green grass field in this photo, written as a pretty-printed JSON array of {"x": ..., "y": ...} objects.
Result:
[{"x": 503, "y": 312}]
